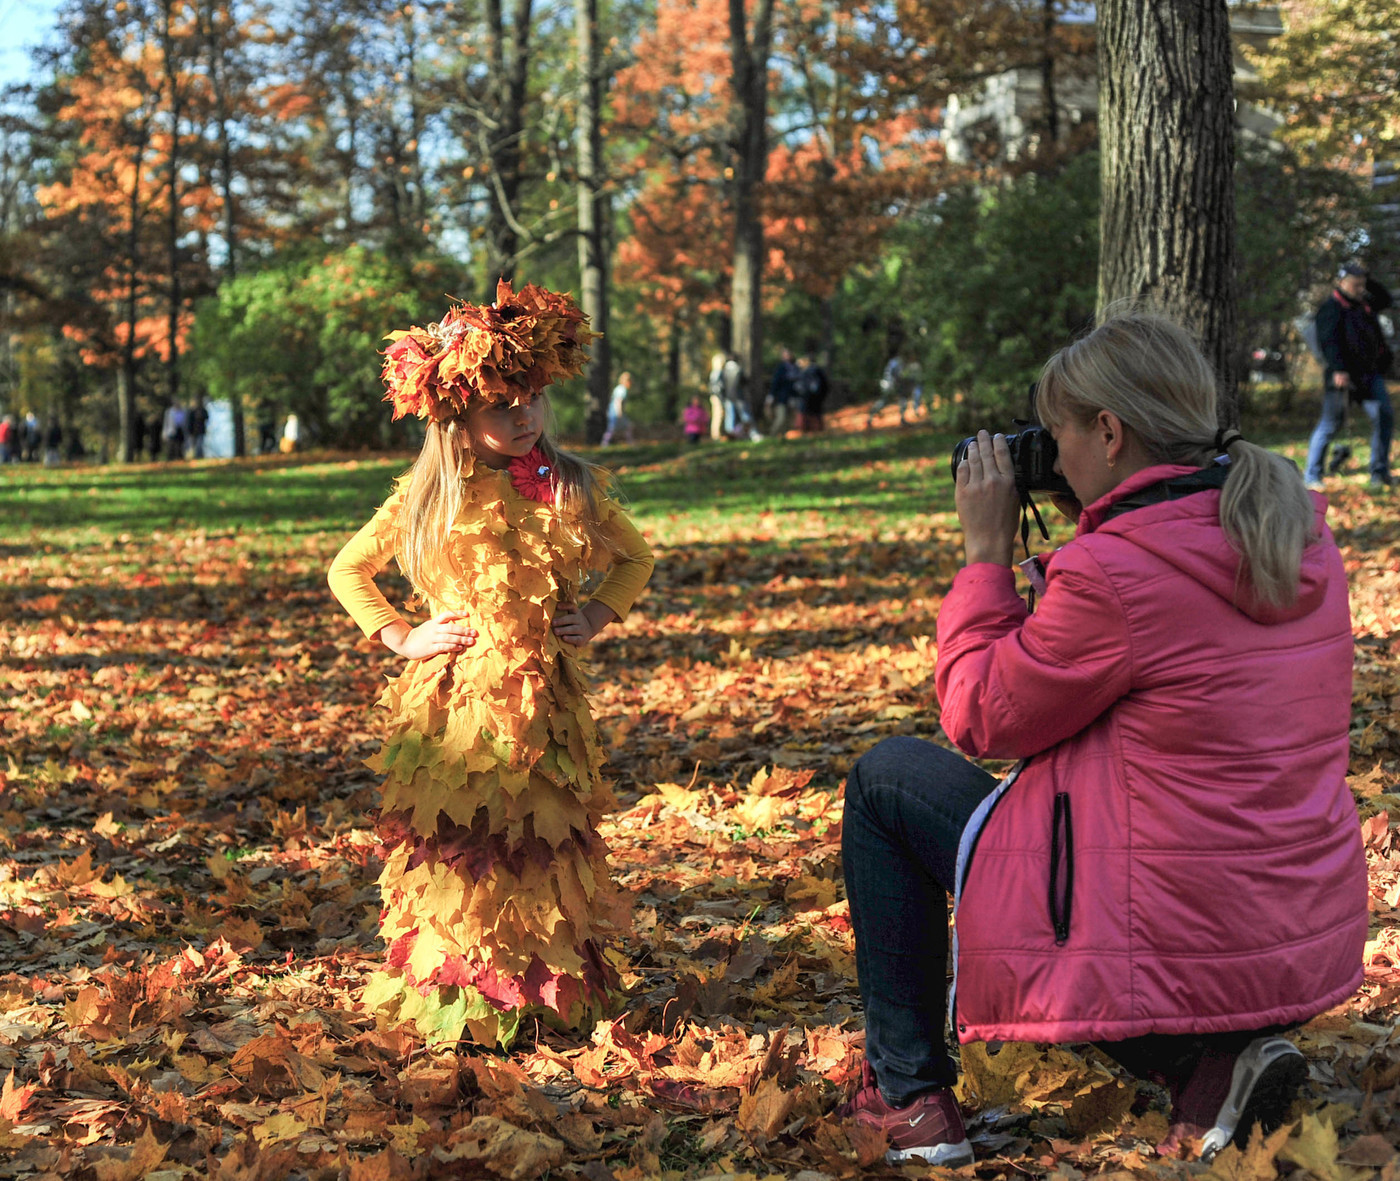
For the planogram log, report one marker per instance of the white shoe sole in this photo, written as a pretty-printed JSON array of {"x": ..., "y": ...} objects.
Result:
[
  {"x": 947, "y": 1155},
  {"x": 1268, "y": 1070}
]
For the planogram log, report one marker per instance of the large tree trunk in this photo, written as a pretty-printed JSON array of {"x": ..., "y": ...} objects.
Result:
[
  {"x": 127, "y": 408},
  {"x": 749, "y": 79},
  {"x": 593, "y": 217},
  {"x": 215, "y": 24},
  {"x": 1166, "y": 130},
  {"x": 508, "y": 87},
  {"x": 1048, "y": 97},
  {"x": 172, "y": 223}
]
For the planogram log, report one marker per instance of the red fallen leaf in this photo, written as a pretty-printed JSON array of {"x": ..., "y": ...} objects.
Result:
[
  {"x": 13, "y": 1099},
  {"x": 694, "y": 1097}
]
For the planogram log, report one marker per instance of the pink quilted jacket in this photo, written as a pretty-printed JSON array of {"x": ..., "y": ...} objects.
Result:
[{"x": 1180, "y": 852}]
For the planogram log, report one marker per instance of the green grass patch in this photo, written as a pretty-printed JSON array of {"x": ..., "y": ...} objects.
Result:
[{"x": 767, "y": 492}]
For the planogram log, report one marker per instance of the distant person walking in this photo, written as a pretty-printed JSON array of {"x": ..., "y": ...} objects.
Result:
[
  {"x": 618, "y": 422},
  {"x": 895, "y": 389},
  {"x": 29, "y": 438},
  {"x": 172, "y": 431},
  {"x": 267, "y": 431},
  {"x": 782, "y": 393},
  {"x": 715, "y": 384},
  {"x": 739, "y": 423},
  {"x": 9, "y": 433},
  {"x": 811, "y": 386},
  {"x": 53, "y": 443},
  {"x": 198, "y": 421},
  {"x": 291, "y": 435},
  {"x": 1356, "y": 362}
]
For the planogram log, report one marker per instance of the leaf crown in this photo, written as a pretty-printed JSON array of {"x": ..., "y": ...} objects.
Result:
[{"x": 513, "y": 348}]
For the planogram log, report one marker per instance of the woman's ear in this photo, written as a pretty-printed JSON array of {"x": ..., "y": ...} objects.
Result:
[{"x": 1112, "y": 434}]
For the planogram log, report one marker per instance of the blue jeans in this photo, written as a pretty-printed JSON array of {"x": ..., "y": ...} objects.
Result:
[
  {"x": 1334, "y": 407},
  {"x": 907, "y": 803}
]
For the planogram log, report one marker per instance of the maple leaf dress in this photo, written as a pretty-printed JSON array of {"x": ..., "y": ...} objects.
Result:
[{"x": 496, "y": 892}]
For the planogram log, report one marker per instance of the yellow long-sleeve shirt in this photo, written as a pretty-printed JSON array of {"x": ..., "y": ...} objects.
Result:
[{"x": 502, "y": 511}]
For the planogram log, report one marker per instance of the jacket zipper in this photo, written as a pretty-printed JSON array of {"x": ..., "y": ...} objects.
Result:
[
  {"x": 967, "y": 846},
  {"x": 1061, "y": 857}
]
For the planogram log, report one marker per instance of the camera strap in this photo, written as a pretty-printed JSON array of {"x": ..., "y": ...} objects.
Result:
[
  {"x": 1212, "y": 476},
  {"x": 1029, "y": 510}
]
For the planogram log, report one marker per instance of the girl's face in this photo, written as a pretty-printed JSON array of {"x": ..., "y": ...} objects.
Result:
[{"x": 500, "y": 432}]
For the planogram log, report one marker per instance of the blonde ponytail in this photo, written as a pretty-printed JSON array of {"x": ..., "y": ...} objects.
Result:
[{"x": 1267, "y": 514}]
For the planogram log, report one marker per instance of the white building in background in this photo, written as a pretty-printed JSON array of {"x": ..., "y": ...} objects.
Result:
[{"x": 1003, "y": 120}]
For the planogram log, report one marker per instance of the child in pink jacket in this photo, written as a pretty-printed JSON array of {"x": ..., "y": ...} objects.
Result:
[{"x": 695, "y": 419}]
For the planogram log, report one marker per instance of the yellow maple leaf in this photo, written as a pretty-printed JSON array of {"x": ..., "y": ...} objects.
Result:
[{"x": 1316, "y": 1148}]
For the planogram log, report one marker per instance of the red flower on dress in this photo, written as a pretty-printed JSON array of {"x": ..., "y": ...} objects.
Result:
[{"x": 533, "y": 476}]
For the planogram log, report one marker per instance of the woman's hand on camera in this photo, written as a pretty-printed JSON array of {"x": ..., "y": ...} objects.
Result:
[
  {"x": 987, "y": 501},
  {"x": 442, "y": 633}
]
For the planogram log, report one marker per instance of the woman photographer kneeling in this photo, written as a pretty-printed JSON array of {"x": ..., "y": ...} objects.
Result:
[{"x": 1174, "y": 870}]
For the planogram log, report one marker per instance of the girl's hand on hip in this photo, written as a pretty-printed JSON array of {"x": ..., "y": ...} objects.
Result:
[
  {"x": 987, "y": 501},
  {"x": 442, "y": 633},
  {"x": 578, "y": 625}
]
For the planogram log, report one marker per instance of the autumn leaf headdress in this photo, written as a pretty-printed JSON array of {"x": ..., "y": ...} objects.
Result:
[{"x": 518, "y": 345}]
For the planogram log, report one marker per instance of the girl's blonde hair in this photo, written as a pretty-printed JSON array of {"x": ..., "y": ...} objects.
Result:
[
  {"x": 433, "y": 497},
  {"x": 1150, "y": 373}
]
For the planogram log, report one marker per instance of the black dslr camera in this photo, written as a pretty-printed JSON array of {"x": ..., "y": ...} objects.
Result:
[{"x": 1033, "y": 453}]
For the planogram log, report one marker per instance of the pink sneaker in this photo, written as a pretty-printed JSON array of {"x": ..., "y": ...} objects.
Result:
[{"x": 929, "y": 1128}]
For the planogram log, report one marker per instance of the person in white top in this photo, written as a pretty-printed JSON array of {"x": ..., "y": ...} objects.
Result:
[{"x": 618, "y": 422}]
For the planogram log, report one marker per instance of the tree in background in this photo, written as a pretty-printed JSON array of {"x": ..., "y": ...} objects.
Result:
[
  {"x": 304, "y": 338},
  {"x": 1167, "y": 150},
  {"x": 990, "y": 281},
  {"x": 1295, "y": 221},
  {"x": 119, "y": 184},
  {"x": 1334, "y": 77},
  {"x": 366, "y": 102},
  {"x": 192, "y": 144},
  {"x": 853, "y": 96},
  {"x": 594, "y": 214}
]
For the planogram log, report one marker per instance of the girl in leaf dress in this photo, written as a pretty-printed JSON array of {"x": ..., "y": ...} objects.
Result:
[{"x": 496, "y": 894}]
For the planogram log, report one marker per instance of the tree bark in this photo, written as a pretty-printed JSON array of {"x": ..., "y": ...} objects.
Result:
[
  {"x": 176, "y": 99},
  {"x": 127, "y": 408},
  {"x": 1049, "y": 98},
  {"x": 216, "y": 22},
  {"x": 507, "y": 89},
  {"x": 593, "y": 217},
  {"x": 749, "y": 80},
  {"x": 1167, "y": 147}
]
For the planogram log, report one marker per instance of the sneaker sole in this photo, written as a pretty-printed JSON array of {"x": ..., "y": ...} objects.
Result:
[
  {"x": 948, "y": 1155},
  {"x": 1265, "y": 1081}
]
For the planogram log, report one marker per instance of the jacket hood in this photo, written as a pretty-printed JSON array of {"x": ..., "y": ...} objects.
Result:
[{"x": 1186, "y": 534}]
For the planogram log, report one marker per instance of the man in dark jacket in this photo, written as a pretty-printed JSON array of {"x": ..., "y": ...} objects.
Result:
[{"x": 1357, "y": 360}]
